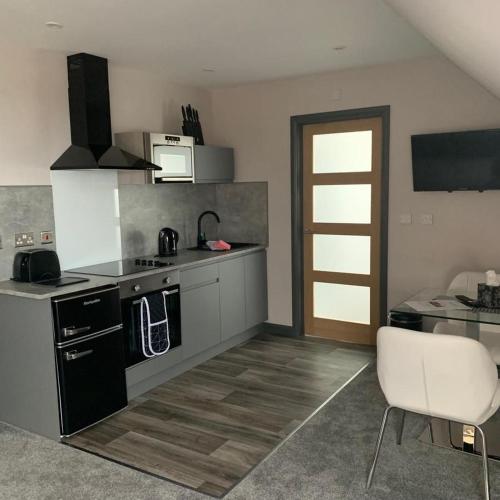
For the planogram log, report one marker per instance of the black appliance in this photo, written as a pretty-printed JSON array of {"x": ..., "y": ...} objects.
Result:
[
  {"x": 167, "y": 242},
  {"x": 90, "y": 120},
  {"x": 90, "y": 361},
  {"x": 456, "y": 161},
  {"x": 124, "y": 267},
  {"x": 161, "y": 291},
  {"x": 40, "y": 266}
]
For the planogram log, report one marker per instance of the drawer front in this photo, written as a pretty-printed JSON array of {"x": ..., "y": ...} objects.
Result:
[
  {"x": 199, "y": 276},
  {"x": 80, "y": 315}
]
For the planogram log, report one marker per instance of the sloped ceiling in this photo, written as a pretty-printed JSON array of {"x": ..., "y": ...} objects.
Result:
[
  {"x": 466, "y": 31},
  {"x": 218, "y": 42}
]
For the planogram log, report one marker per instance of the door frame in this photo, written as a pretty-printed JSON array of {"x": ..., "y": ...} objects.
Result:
[{"x": 296, "y": 125}]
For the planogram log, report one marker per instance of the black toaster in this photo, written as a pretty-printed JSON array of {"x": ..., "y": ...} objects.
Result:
[{"x": 36, "y": 265}]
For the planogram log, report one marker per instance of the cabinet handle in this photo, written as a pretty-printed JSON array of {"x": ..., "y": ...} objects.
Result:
[
  {"x": 72, "y": 355},
  {"x": 71, "y": 330}
]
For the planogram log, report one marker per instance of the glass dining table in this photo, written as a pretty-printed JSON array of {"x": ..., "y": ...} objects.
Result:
[{"x": 439, "y": 305}]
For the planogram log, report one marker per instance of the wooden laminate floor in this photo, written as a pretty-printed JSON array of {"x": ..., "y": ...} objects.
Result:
[{"x": 207, "y": 428}]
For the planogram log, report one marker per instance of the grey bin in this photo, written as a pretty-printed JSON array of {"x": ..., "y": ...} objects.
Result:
[{"x": 407, "y": 320}]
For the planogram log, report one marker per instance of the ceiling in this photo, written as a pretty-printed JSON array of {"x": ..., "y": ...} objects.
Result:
[
  {"x": 465, "y": 31},
  {"x": 242, "y": 40}
]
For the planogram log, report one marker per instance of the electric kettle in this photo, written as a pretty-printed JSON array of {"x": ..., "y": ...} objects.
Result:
[{"x": 167, "y": 242}]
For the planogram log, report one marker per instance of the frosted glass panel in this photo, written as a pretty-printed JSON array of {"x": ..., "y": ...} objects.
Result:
[
  {"x": 341, "y": 253},
  {"x": 342, "y": 203},
  {"x": 342, "y": 302},
  {"x": 342, "y": 152}
]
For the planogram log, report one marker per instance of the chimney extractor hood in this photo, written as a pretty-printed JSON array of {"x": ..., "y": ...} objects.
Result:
[{"x": 90, "y": 121}]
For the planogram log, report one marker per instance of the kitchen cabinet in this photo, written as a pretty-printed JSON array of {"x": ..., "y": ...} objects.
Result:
[
  {"x": 232, "y": 297},
  {"x": 200, "y": 311},
  {"x": 222, "y": 300},
  {"x": 213, "y": 164},
  {"x": 255, "y": 288}
]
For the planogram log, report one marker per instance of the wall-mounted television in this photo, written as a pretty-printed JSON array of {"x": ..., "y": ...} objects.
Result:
[{"x": 456, "y": 161}]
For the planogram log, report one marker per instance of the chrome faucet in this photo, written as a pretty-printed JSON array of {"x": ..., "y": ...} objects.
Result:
[{"x": 201, "y": 236}]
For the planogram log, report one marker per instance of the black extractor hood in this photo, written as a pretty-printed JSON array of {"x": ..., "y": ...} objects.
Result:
[{"x": 90, "y": 121}]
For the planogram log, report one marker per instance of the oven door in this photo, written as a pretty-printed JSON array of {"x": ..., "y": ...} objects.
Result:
[
  {"x": 131, "y": 315},
  {"x": 176, "y": 163}
]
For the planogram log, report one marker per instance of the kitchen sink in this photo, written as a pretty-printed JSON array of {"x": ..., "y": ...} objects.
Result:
[{"x": 234, "y": 246}]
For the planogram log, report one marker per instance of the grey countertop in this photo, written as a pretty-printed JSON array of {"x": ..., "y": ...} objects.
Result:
[{"x": 185, "y": 259}]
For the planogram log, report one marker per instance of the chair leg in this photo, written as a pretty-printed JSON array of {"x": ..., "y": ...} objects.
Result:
[
  {"x": 379, "y": 443},
  {"x": 401, "y": 427},
  {"x": 485, "y": 464}
]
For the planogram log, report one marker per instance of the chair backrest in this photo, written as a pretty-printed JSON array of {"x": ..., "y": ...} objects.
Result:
[
  {"x": 438, "y": 375},
  {"x": 467, "y": 280}
]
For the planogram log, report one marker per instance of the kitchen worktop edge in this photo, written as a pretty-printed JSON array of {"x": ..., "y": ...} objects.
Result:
[{"x": 186, "y": 259}]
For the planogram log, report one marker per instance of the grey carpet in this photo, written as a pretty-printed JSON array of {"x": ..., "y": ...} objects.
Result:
[{"x": 328, "y": 458}]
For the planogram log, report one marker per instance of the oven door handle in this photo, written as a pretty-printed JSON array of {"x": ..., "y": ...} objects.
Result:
[{"x": 166, "y": 292}]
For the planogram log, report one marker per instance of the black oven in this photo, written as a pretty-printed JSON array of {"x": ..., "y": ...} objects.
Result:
[{"x": 151, "y": 315}]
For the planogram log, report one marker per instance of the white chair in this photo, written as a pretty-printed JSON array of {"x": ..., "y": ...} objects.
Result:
[
  {"x": 489, "y": 335},
  {"x": 442, "y": 376}
]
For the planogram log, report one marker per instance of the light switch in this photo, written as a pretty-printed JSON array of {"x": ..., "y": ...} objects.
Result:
[
  {"x": 46, "y": 237},
  {"x": 405, "y": 219},
  {"x": 426, "y": 219}
]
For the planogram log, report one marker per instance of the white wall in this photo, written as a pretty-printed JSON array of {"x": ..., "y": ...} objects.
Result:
[
  {"x": 426, "y": 95},
  {"x": 34, "y": 116}
]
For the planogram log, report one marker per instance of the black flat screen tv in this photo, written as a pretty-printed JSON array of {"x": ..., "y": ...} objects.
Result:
[{"x": 456, "y": 161}]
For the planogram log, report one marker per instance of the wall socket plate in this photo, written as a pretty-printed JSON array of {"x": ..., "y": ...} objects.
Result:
[
  {"x": 426, "y": 219},
  {"x": 46, "y": 237},
  {"x": 24, "y": 240}
]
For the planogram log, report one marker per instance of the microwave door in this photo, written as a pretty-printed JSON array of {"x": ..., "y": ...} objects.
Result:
[{"x": 176, "y": 162}]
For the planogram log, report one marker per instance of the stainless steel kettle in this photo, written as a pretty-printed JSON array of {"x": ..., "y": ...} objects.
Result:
[{"x": 167, "y": 242}]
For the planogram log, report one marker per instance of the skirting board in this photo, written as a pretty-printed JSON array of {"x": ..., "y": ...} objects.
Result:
[{"x": 284, "y": 330}]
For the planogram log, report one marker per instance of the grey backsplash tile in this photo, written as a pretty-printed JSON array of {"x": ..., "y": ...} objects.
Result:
[
  {"x": 23, "y": 208},
  {"x": 144, "y": 210},
  {"x": 242, "y": 208}
]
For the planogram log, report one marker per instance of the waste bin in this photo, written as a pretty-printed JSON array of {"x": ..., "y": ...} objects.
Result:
[{"x": 407, "y": 320}]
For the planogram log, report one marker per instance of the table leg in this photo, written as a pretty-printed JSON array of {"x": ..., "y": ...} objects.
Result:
[{"x": 472, "y": 330}]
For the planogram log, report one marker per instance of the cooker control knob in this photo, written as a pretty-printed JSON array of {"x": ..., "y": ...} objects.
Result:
[
  {"x": 136, "y": 288},
  {"x": 167, "y": 280}
]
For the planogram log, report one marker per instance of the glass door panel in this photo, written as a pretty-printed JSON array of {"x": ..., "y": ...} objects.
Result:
[
  {"x": 342, "y": 152},
  {"x": 342, "y": 302},
  {"x": 342, "y": 204},
  {"x": 340, "y": 253}
]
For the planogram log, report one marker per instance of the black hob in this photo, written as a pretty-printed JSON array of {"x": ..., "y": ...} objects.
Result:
[{"x": 122, "y": 267}]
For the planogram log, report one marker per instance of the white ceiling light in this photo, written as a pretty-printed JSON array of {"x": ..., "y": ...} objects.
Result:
[
  {"x": 209, "y": 70},
  {"x": 54, "y": 25}
]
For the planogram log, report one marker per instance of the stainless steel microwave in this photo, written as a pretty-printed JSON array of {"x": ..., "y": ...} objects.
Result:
[{"x": 173, "y": 153}]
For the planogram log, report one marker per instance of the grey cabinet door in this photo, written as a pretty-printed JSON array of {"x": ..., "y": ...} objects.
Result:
[
  {"x": 255, "y": 288},
  {"x": 200, "y": 319},
  {"x": 213, "y": 164},
  {"x": 232, "y": 297}
]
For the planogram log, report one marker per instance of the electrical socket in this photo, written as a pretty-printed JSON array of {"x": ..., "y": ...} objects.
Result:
[{"x": 24, "y": 240}]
